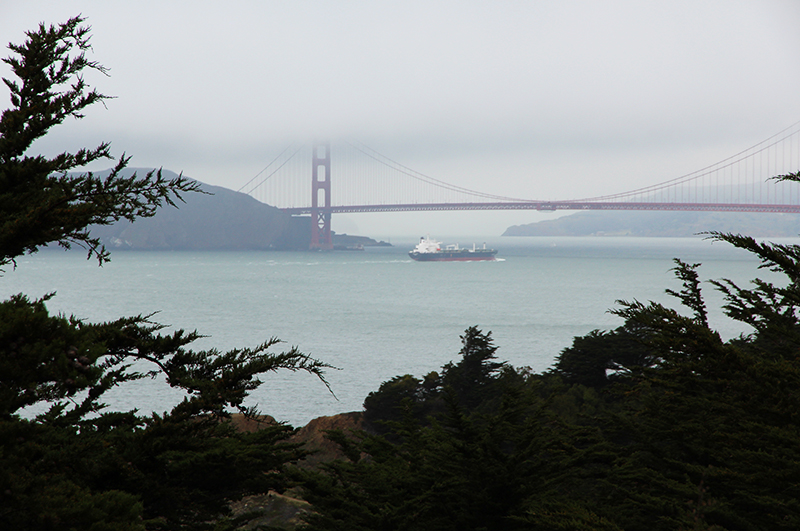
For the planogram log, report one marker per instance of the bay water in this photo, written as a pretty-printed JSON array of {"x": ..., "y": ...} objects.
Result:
[{"x": 374, "y": 314}]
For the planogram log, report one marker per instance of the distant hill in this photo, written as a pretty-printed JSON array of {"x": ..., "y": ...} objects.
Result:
[
  {"x": 220, "y": 220},
  {"x": 663, "y": 224}
]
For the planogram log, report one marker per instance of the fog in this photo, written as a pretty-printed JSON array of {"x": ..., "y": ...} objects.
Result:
[{"x": 547, "y": 100}]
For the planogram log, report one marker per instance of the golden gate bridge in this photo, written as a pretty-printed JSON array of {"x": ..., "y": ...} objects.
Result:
[{"x": 299, "y": 181}]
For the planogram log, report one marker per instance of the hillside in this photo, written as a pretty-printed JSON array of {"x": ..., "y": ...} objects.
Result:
[
  {"x": 661, "y": 224},
  {"x": 220, "y": 220}
]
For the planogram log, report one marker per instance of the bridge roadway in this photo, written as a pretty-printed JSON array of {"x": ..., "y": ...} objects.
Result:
[{"x": 552, "y": 206}]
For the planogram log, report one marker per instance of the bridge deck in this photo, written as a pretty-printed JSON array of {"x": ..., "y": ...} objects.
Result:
[{"x": 554, "y": 205}]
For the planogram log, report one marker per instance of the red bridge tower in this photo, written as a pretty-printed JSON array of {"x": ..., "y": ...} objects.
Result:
[{"x": 321, "y": 185}]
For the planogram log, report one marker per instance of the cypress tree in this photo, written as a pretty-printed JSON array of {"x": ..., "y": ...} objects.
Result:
[{"x": 76, "y": 465}]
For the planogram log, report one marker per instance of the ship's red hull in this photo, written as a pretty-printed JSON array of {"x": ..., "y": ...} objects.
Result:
[{"x": 458, "y": 256}]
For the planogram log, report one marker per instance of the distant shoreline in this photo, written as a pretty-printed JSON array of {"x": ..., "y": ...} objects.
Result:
[{"x": 661, "y": 224}]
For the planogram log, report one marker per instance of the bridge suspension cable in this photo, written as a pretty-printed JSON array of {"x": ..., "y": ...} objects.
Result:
[
  {"x": 245, "y": 185},
  {"x": 369, "y": 152},
  {"x": 703, "y": 176},
  {"x": 365, "y": 180}
]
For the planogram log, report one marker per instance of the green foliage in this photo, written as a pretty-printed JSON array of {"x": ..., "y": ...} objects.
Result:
[
  {"x": 657, "y": 425},
  {"x": 474, "y": 381},
  {"x": 457, "y": 473},
  {"x": 398, "y": 397},
  {"x": 175, "y": 469},
  {"x": 77, "y": 465},
  {"x": 40, "y": 202},
  {"x": 712, "y": 422},
  {"x": 473, "y": 377},
  {"x": 691, "y": 294},
  {"x": 476, "y": 371},
  {"x": 603, "y": 357}
]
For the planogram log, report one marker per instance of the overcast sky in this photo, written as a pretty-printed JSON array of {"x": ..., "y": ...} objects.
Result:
[{"x": 546, "y": 100}]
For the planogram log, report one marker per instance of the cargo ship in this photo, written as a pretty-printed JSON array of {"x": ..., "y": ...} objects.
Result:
[{"x": 428, "y": 250}]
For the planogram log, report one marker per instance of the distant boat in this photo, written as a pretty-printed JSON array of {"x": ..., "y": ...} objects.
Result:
[
  {"x": 356, "y": 247},
  {"x": 429, "y": 250}
]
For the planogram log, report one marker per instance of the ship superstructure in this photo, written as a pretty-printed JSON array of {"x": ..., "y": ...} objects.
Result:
[{"x": 430, "y": 250}]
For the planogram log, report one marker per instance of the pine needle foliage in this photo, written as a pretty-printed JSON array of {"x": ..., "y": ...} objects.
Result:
[
  {"x": 41, "y": 202},
  {"x": 655, "y": 426},
  {"x": 66, "y": 460}
]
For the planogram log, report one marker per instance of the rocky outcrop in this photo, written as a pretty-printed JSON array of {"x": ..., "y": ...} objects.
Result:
[
  {"x": 274, "y": 510},
  {"x": 285, "y": 511},
  {"x": 313, "y": 438}
]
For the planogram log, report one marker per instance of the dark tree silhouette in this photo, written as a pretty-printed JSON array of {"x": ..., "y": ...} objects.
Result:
[{"x": 76, "y": 465}]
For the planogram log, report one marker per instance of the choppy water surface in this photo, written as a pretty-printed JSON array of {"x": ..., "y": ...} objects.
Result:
[{"x": 374, "y": 314}]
